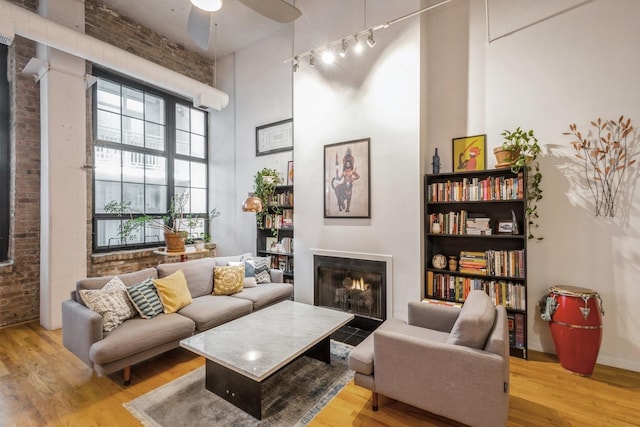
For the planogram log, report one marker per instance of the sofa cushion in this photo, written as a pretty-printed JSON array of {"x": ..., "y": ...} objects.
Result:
[
  {"x": 475, "y": 321},
  {"x": 266, "y": 294},
  {"x": 127, "y": 278},
  {"x": 145, "y": 299},
  {"x": 361, "y": 357},
  {"x": 198, "y": 274},
  {"x": 209, "y": 311},
  {"x": 224, "y": 260},
  {"x": 173, "y": 292},
  {"x": 228, "y": 280},
  {"x": 137, "y": 335},
  {"x": 111, "y": 302}
]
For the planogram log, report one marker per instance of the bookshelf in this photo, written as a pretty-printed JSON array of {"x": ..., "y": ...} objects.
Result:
[
  {"x": 275, "y": 238},
  {"x": 481, "y": 232}
]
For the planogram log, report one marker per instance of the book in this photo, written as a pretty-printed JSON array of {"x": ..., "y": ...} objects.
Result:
[
  {"x": 519, "y": 333},
  {"x": 511, "y": 326}
]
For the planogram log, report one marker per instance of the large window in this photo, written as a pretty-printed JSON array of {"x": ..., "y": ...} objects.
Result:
[
  {"x": 149, "y": 146},
  {"x": 5, "y": 164}
]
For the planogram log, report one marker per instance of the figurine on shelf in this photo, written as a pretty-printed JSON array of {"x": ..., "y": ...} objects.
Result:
[{"x": 436, "y": 163}]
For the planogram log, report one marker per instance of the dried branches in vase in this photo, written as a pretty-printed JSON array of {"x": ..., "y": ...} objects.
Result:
[{"x": 605, "y": 156}]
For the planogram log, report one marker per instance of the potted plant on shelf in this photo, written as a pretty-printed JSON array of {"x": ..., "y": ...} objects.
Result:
[
  {"x": 520, "y": 151},
  {"x": 174, "y": 225},
  {"x": 264, "y": 187}
]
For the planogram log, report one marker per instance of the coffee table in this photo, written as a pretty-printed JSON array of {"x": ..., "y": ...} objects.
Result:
[{"x": 241, "y": 354}]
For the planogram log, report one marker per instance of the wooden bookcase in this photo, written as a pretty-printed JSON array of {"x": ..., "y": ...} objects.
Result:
[
  {"x": 280, "y": 219},
  {"x": 476, "y": 211}
]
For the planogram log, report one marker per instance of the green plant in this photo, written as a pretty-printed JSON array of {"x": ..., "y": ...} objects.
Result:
[
  {"x": 264, "y": 187},
  {"x": 525, "y": 148},
  {"x": 605, "y": 158}
]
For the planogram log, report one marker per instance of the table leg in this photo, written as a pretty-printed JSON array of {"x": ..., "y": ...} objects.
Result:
[
  {"x": 235, "y": 388},
  {"x": 321, "y": 351}
]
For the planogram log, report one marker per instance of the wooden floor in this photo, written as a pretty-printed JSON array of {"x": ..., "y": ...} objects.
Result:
[{"x": 42, "y": 384}]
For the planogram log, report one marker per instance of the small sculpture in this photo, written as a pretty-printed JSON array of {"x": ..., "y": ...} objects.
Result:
[{"x": 436, "y": 163}]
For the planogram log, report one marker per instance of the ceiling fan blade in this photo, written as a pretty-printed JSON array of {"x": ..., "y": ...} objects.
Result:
[
  {"x": 199, "y": 26},
  {"x": 277, "y": 10}
]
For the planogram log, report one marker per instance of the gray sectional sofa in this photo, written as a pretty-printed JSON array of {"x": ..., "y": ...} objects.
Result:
[{"x": 138, "y": 339}]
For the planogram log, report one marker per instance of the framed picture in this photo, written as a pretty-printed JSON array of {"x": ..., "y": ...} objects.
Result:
[
  {"x": 347, "y": 179},
  {"x": 270, "y": 244},
  {"x": 274, "y": 137},
  {"x": 469, "y": 153},
  {"x": 290, "y": 172},
  {"x": 505, "y": 227}
]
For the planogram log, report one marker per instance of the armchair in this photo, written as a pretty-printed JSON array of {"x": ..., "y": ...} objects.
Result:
[{"x": 450, "y": 361}]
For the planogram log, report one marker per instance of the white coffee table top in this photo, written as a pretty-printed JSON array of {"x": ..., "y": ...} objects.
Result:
[{"x": 262, "y": 342}]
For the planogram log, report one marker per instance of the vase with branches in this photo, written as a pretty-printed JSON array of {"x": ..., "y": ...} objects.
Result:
[{"x": 604, "y": 153}]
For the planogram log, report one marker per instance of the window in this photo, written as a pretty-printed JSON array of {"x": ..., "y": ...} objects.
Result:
[
  {"x": 5, "y": 163},
  {"x": 149, "y": 146}
]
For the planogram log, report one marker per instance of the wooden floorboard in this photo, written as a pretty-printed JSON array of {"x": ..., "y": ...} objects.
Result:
[{"x": 42, "y": 384}]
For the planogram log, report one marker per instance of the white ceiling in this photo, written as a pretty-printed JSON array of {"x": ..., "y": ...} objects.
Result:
[{"x": 238, "y": 25}]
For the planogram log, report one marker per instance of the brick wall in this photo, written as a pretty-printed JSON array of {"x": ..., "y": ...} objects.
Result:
[{"x": 20, "y": 278}]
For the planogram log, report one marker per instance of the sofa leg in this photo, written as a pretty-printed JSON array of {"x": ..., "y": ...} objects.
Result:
[
  {"x": 127, "y": 375},
  {"x": 375, "y": 401}
]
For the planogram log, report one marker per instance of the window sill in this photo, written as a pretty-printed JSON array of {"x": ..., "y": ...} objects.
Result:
[
  {"x": 122, "y": 255},
  {"x": 6, "y": 267}
]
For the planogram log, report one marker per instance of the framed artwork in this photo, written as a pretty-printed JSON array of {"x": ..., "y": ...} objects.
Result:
[
  {"x": 469, "y": 153},
  {"x": 347, "y": 179},
  {"x": 274, "y": 137},
  {"x": 505, "y": 227},
  {"x": 290, "y": 172}
]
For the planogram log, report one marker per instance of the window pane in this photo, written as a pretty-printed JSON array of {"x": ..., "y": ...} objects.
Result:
[
  {"x": 133, "y": 103},
  {"x": 108, "y": 96},
  {"x": 107, "y": 164},
  {"x": 133, "y": 167},
  {"x": 153, "y": 235},
  {"x": 182, "y": 142},
  {"x": 156, "y": 199},
  {"x": 108, "y": 127},
  {"x": 107, "y": 232},
  {"x": 181, "y": 174},
  {"x": 134, "y": 193},
  {"x": 182, "y": 117},
  {"x": 106, "y": 191},
  {"x": 198, "y": 175},
  {"x": 197, "y": 231},
  {"x": 133, "y": 132},
  {"x": 197, "y": 121},
  {"x": 154, "y": 109},
  {"x": 182, "y": 190},
  {"x": 198, "y": 201},
  {"x": 197, "y": 146},
  {"x": 154, "y": 136},
  {"x": 155, "y": 169}
]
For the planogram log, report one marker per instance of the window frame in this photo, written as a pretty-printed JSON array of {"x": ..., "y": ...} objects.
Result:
[
  {"x": 170, "y": 155},
  {"x": 5, "y": 153}
]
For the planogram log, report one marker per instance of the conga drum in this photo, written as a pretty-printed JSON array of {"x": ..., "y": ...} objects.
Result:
[{"x": 576, "y": 327}]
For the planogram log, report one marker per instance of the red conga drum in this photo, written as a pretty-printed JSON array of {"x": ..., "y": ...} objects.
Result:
[{"x": 576, "y": 327}]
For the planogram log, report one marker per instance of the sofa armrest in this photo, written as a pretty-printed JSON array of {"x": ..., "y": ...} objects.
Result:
[
  {"x": 277, "y": 276},
  {"x": 432, "y": 316},
  {"x": 81, "y": 327}
]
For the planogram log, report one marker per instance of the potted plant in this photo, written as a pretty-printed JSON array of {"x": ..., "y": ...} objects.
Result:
[
  {"x": 520, "y": 151},
  {"x": 174, "y": 225},
  {"x": 264, "y": 187}
]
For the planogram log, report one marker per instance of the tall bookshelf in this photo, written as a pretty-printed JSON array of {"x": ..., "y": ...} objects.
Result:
[
  {"x": 481, "y": 217},
  {"x": 275, "y": 237}
]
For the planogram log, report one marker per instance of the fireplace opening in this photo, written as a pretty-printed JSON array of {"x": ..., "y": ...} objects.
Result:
[{"x": 355, "y": 286}]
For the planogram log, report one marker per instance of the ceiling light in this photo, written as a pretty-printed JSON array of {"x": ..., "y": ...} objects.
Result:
[
  {"x": 358, "y": 47},
  {"x": 345, "y": 48},
  {"x": 328, "y": 57},
  {"x": 208, "y": 5},
  {"x": 312, "y": 58},
  {"x": 370, "y": 41},
  {"x": 252, "y": 204}
]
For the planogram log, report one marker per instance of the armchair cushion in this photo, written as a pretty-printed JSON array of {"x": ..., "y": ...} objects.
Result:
[{"x": 474, "y": 322}]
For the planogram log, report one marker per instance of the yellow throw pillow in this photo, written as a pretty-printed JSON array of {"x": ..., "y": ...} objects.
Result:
[
  {"x": 173, "y": 291},
  {"x": 228, "y": 280}
]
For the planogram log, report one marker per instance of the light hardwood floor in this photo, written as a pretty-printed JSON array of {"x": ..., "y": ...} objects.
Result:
[{"x": 42, "y": 384}]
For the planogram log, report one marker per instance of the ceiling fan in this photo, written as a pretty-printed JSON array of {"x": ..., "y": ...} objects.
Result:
[{"x": 199, "y": 24}]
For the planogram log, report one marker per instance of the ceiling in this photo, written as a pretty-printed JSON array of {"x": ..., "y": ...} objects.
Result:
[{"x": 238, "y": 25}]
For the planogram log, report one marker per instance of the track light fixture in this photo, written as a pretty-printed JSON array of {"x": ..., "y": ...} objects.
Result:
[
  {"x": 328, "y": 55},
  {"x": 208, "y": 5}
]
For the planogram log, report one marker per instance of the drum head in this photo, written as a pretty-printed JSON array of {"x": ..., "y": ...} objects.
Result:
[{"x": 574, "y": 291}]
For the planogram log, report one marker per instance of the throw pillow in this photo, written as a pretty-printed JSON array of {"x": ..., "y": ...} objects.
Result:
[
  {"x": 145, "y": 299},
  {"x": 262, "y": 266},
  {"x": 228, "y": 280},
  {"x": 474, "y": 323},
  {"x": 111, "y": 302},
  {"x": 173, "y": 291},
  {"x": 249, "y": 273},
  {"x": 250, "y": 282}
]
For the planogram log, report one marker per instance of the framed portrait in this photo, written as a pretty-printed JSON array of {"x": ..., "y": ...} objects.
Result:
[
  {"x": 505, "y": 227},
  {"x": 290, "y": 172},
  {"x": 274, "y": 137},
  {"x": 347, "y": 179},
  {"x": 469, "y": 153}
]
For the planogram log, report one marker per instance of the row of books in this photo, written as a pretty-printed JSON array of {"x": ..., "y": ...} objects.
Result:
[
  {"x": 282, "y": 199},
  {"x": 506, "y": 263},
  {"x": 461, "y": 223},
  {"x": 454, "y": 288},
  {"x": 284, "y": 246},
  {"x": 282, "y": 262},
  {"x": 515, "y": 323},
  {"x": 475, "y": 189},
  {"x": 278, "y": 221}
]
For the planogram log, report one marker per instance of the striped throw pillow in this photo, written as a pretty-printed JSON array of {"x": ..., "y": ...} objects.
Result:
[{"x": 145, "y": 299}]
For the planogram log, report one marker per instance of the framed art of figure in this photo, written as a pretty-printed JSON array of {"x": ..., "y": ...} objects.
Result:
[
  {"x": 274, "y": 137},
  {"x": 469, "y": 153},
  {"x": 347, "y": 182}
]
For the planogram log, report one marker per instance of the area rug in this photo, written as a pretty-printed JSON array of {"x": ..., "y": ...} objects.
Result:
[{"x": 290, "y": 397}]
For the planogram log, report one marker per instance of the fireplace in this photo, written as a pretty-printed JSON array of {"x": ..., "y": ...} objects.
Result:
[{"x": 356, "y": 286}]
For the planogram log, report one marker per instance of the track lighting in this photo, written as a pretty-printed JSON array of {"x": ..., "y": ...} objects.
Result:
[
  {"x": 358, "y": 46},
  {"x": 295, "y": 65},
  {"x": 312, "y": 58},
  {"x": 208, "y": 5},
  {"x": 328, "y": 57},
  {"x": 345, "y": 48},
  {"x": 370, "y": 41}
]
